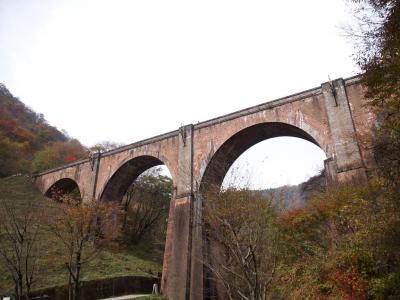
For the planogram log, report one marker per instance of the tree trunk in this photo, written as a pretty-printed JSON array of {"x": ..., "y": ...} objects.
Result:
[
  {"x": 20, "y": 289},
  {"x": 77, "y": 276},
  {"x": 70, "y": 287}
]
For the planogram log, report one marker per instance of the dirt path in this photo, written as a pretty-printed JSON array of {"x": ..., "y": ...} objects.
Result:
[{"x": 127, "y": 297}]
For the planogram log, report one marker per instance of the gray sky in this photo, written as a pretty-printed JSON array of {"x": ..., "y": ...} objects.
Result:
[{"x": 127, "y": 70}]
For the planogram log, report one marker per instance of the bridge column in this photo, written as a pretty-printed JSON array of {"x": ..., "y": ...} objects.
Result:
[
  {"x": 177, "y": 280},
  {"x": 94, "y": 162},
  {"x": 345, "y": 160}
]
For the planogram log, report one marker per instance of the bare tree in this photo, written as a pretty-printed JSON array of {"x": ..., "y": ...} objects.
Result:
[
  {"x": 243, "y": 243},
  {"x": 18, "y": 242},
  {"x": 84, "y": 229},
  {"x": 105, "y": 146}
]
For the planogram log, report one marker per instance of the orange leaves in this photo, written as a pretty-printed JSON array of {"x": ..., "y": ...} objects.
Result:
[
  {"x": 292, "y": 216},
  {"x": 15, "y": 132},
  {"x": 349, "y": 283},
  {"x": 70, "y": 158}
]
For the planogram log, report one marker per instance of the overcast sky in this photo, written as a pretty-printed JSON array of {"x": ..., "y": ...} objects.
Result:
[{"x": 127, "y": 70}]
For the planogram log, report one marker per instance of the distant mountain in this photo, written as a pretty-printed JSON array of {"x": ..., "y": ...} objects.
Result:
[
  {"x": 23, "y": 133},
  {"x": 295, "y": 196}
]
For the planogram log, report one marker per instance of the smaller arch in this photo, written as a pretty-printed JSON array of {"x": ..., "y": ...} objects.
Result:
[
  {"x": 116, "y": 187},
  {"x": 63, "y": 187}
]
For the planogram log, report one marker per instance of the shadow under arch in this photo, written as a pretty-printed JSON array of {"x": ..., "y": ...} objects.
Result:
[
  {"x": 219, "y": 164},
  {"x": 63, "y": 187},
  {"x": 116, "y": 187}
]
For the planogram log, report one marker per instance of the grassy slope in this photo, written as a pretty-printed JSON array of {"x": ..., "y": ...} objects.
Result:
[{"x": 139, "y": 260}]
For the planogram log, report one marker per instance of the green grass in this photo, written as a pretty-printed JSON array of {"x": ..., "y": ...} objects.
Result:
[{"x": 138, "y": 260}]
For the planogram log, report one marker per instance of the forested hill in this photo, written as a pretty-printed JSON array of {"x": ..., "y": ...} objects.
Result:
[
  {"x": 296, "y": 196},
  {"x": 27, "y": 142}
]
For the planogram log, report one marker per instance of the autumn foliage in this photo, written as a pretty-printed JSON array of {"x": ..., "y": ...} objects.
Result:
[
  {"x": 58, "y": 153},
  {"x": 349, "y": 284},
  {"x": 343, "y": 244},
  {"x": 83, "y": 229},
  {"x": 28, "y": 143}
]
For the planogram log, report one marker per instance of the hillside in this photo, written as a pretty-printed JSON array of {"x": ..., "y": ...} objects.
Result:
[
  {"x": 136, "y": 260},
  {"x": 24, "y": 133},
  {"x": 296, "y": 196},
  {"x": 29, "y": 144}
]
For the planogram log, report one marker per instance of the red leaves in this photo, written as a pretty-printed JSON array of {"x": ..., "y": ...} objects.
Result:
[
  {"x": 349, "y": 283},
  {"x": 58, "y": 153},
  {"x": 8, "y": 124},
  {"x": 293, "y": 215},
  {"x": 70, "y": 158}
]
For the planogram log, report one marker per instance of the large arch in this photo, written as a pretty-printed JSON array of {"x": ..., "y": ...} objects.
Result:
[
  {"x": 62, "y": 187},
  {"x": 116, "y": 187},
  {"x": 219, "y": 164}
]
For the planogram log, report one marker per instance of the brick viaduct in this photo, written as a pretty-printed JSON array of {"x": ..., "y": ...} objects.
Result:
[{"x": 331, "y": 116}]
